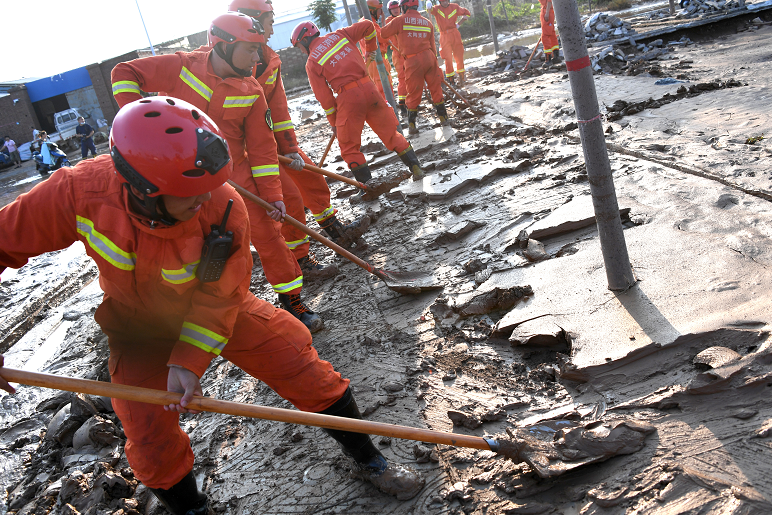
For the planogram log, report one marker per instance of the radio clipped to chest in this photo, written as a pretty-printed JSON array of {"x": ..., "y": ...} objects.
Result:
[{"x": 216, "y": 249}]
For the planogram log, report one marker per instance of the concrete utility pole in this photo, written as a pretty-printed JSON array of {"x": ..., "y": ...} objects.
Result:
[
  {"x": 493, "y": 29},
  {"x": 348, "y": 13},
  {"x": 381, "y": 68},
  {"x": 619, "y": 273}
]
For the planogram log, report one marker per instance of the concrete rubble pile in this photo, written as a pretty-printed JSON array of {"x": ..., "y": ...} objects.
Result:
[
  {"x": 513, "y": 59},
  {"x": 603, "y": 26},
  {"x": 613, "y": 57},
  {"x": 697, "y": 8}
]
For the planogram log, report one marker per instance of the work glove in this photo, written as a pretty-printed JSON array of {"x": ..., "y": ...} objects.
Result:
[
  {"x": 297, "y": 161},
  {"x": 370, "y": 57},
  {"x": 280, "y": 211},
  {"x": 182, "y": 380}
]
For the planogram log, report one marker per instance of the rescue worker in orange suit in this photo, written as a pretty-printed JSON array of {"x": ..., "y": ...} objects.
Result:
[
  {"x": 335, "y": 65},
  {"x": 219, "y": 83},
  {"x": 449, "y": 16},
  {"x": 376, "y": 12},
  {"x": 143, "y": 214},
  {"x": 399, "y": 60},
  {"x": 549, "y": 38},
  {"x": 415, "y": 39},
  {"x": 303, "y": 187}
]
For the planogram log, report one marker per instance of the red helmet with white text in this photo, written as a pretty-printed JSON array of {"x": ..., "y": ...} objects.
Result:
[
  {"x": 303, "y": 30},
  {"x": 252, "y": 8},
  {"x": 408, "y": 4},
  {"x": 393, "y": 4}
]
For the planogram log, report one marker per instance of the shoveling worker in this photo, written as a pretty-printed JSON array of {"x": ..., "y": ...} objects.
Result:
[
  {"x": 376, "y": 11},
  {"x": 144, "y": 214},
  {"x": 220, "y": 84},
  {"x": 335, "y": 65},
  {"x": 449, "y": 17},
  {"x": 415, "y": 39},
  {"x": 399, "y": 60},
  {"x": 549, "y": 38},
  {"x": 300, "y": 187}
]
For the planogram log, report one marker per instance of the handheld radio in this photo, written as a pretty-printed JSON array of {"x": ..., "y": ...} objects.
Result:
[{"x": 217, "y": 247}]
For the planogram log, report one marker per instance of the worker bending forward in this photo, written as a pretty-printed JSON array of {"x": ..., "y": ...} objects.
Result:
[
  {"x": 334, "y": 64},
  {"x": 143, "y": 214},
  {"x": 415, "y": 39},
  {"x": 549, "y": 38},
  {"x": 449, "y": 17}
]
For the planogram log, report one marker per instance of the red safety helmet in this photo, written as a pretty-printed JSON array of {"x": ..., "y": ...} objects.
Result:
[
  {"x": 305, "y": 29},
  {"x": 393, "y": 4},
  {"x": 408, "y": 4},
  {"x": 166, "y": 146},
  {"x": 374, "y": 5},
  {"x": 252, "y": 8},
  {"x": 232, "y": 27}
]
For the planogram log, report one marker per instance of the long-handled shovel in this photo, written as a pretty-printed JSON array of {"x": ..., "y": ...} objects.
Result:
[
  {"x": 326, "y": 150},
  {"x": 532, "y": 54},
  {"x": 322, "y": 171},
  {"x": 401, "y": 282},
  {"x": 459, "y": 95}
]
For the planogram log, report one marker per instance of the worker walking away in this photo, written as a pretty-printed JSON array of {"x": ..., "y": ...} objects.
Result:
[
  {"x": 399, "y": 61},
  {"x": 335, "y": 65},
  {"x": 300, "y": 187},
  {"x": 145, "y": 215},
  {"x": 415, "y": 39},
  {"x": 449, "y": 17},
  {"x": 549, "y": 38},
  {"x": 376, "y": 12},
  {"x": 219, "y": 82}
]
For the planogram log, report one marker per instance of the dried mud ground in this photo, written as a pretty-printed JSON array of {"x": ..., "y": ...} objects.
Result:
[{"x": 526, "y": 337}]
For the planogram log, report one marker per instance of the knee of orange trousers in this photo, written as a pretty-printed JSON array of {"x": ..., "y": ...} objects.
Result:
[
  {"x": 549, "y": 39},
  {"x": 297, "y": 241},
  {"x": 349, "y": 129},
  {"x": 458, "y": 54},
  {"x": 383, "y": 122},
  {"x": 277, "y": 260},
  {"x": 274, "y": 347}
]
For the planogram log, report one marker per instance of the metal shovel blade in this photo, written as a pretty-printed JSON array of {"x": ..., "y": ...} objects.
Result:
[{"x": 408, "y": 282}]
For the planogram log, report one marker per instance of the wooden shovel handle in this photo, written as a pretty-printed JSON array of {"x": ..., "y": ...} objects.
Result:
[
  {"x": 326, "y": 150},
  {"x": 457, "y": 93},
  {"x": 322, "y": 171},
  {"x": 301, "y": 226},
  {"x": 149, "y": 396}
]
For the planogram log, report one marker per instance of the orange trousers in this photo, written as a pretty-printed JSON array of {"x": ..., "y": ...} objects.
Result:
[
  {"x": 279, "y": 264},
  {"x": 451, "y": 47},
  {"x": 549, "y": 38},
  {"x": 399, "y": 64},
  {"x": 303, "y": 188},
  {"x": 365, "y": 104},
  {"x": 267, "y": 343},
  {"x": 372, "y": 70},
  {"x": 420, "y": 68}
]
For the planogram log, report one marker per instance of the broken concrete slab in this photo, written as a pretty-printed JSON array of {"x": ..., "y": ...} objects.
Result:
[
  {"x": 573, "y": 215},
  {"x": 540, "y": 332},
  {"x": 458, "y": 231}
]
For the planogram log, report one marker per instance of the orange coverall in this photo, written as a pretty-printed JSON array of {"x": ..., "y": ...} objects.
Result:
[
  {"x": 156, "y": 313},
  {"x": 399, "y": 65},
  {"x": 415, "y": 39},
  {"x": 239, "y": 108},
  {"x": 372, "y": 66},
  {"x": 300, "y": 187},
  {"x": 548, "y": 37},
  {"x": 334, "y": 64},
  {"x": 451, "y": 46}
]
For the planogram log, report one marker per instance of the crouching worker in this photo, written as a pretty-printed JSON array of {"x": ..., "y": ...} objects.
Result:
[{"x": 144, "y": 214}]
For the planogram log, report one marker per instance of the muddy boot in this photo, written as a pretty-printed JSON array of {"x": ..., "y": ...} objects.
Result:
[
  {"x": 556, "y": 57},
  {"x": 362, "y": 173},
  {"x": 451, "y": 80},
  {"x": 370, "y": 465},
  {"x": 184, "y": 498},
  {"x": 402, "y": 110},
  {"x": 547, "y": 60},
  {"x": 345, "y": 235},
  {"x": 294, "y": 305},
  {"x": 313, "y": 270},
  {"x": 461, "y": 78},
  {"x": 442, "y": 114},
  {"x": 412, "y": 118},
  {"x": 411, "y": 161}
]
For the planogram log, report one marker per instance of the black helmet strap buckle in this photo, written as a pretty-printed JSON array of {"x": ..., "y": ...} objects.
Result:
[
  {"x": 212, "y": 154},
  {"x": 131, "y": 175}
]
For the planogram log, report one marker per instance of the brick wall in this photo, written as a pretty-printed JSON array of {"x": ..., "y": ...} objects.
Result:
[
  {"x": 17, "y": 116},
  {"x": 105, "y": 92},
  {"x": 293, "y": 71}
]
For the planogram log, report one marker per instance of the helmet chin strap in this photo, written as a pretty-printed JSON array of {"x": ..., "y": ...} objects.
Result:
[
  {"x": 227, "y": 56},
  {"x": 150, "y": 206}
]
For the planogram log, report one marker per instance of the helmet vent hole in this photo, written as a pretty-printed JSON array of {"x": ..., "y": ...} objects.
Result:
[
  {"x": 173, "y": 130},
  {"x": 144, "y": 101},
  {"x": 196, "y": 172},
  {"x": 195, "y": 114},
  {"x": 170, "y": 101},
  {"x": 152, "y": 114}
]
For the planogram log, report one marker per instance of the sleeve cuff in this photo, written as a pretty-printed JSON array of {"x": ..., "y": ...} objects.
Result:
[{"x": 191, "y": 357}]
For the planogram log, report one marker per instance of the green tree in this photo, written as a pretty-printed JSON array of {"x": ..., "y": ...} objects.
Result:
[{"x": 323, "y": 13}]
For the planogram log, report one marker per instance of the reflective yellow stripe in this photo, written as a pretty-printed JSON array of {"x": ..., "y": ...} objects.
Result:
[
  {"x": 282, "y": 126},
  {"x": 450, "y": 74},
  {"x": 451, "y": 14},
  {"x": 185, "y": 274},
  {"x": 240, "y": 101},
  {"x": 552, "y": 49},
  {"x": 401, "y": 97},
  {"x": 202, "y": 338},
  {"x": 371, "y": 36},
  {"x": 441, "y": 13},
  {"x": 417, "y": 28},
  {"x": 125, "y": 86},
  {"x": 329, "y": 111},
  {"x": 197, "y": 86},
  {"x": 265, "y": 170},
  {"x": 327, "y": 213},
  {"x": 332, "y": 51},
  {"x": 272, "y": 78},
  {"x": 104, "y": 247},
  {"x": 286, "y": 287},
  {"x": 297, "y": 243}
]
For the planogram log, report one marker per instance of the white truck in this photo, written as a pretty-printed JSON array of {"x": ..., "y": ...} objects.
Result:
[{"x": 66, "y": 122}]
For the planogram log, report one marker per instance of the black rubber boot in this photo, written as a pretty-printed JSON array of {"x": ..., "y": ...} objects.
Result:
[
  {"x": 556, "y": 57},
  {"x": 371, "y": 466},
  {"x": 442, "y": 113},
  {"x": 314, "y": 270},
  {"x": 345, "y": 234},
  {"x": 184, "y": 498},
  {"x": 299, "y": 310},
  {"x": 362, "y": 173},
  {"x": 412, "y": 118},
  {"x": 547, "y": 60},
  {"x": 411, "y": 161},
  {"x": 461, "y": 78},
  {"x": 403, "y": 109}
]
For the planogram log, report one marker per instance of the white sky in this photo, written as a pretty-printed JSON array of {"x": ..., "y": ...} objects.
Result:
[{"x": 55, "y": 36}]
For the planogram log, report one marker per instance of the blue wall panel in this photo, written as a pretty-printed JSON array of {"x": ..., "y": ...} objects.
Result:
[{"x": 58, "y": 84}]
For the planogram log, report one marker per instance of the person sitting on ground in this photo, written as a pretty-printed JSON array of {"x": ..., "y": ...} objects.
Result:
[
  {"x": 86, "y": 134},
  {"x": 143, "y": 214},
  {"x": 13, "y": 151}
]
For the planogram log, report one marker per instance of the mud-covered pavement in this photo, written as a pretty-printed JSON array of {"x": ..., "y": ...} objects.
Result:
[{"x": 524, "y": 334}]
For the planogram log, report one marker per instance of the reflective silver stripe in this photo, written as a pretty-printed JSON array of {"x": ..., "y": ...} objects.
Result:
[
  {"x": 332, "y": 51},
  {"x": 282, "y": 126},
  {"x": 114, "y": 255},
  {"x": 325, "y": 214},
  {"x": 371, "y": 36},
  {"x": 203, "y": 338},
  {"x": 272, "y": 78},
  {"x": 125, "y": 86},
  {"x": 240, "y": 101},
  {"x": 297, "y": 243},
  {"x": 264, "y": 170},
  {"x": 451, "y": 14},
  {"x": 329, "y": 111},
  {"x": 417, "y": 27},
  {"x": 183, "y": 275},
  {"x": 197, "y": 86},
  {"x": 285, "y": 287}
]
